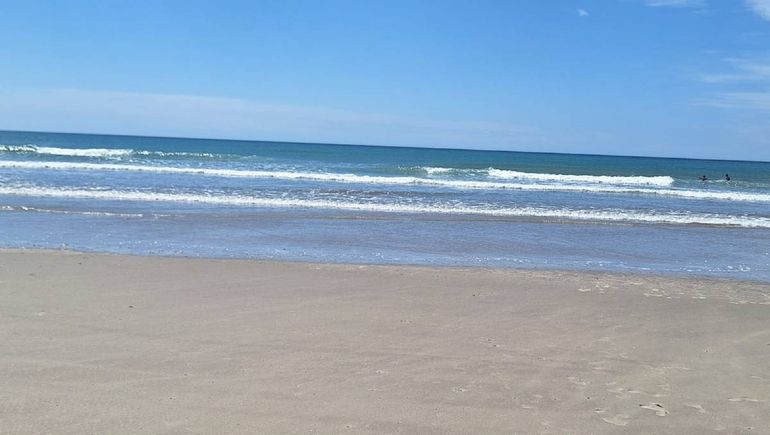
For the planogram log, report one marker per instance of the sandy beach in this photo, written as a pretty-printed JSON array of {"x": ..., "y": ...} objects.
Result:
[{"x": 126, "y": 344}]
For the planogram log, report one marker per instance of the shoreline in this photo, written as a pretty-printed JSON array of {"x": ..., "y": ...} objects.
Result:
[
  {"x": 687, "y": 276},
  {"x": 112, "y": 343}
]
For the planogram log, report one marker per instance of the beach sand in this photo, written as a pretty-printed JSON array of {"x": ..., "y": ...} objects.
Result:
[{"x": 125, "y": 344}]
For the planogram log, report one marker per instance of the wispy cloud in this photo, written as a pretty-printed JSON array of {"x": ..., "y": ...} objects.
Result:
[
  {"x": 676, "y": 3},
  {"x": 759, "y": 100},
  {"x": 203, "y": 116},
  {"x": 582, "y": 13},
  {"x": 743, "y": 85},
  {"x": 741, "y": 70},
  {"x": 760, "y": 7}
]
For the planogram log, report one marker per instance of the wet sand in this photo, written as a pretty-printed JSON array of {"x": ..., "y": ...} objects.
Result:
[{"x": 123, "y": 344}]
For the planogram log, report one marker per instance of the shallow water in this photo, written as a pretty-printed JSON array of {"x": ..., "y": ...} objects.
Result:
[{"x": 384, "y": 205}]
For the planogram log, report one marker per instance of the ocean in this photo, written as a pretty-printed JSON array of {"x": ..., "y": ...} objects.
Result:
[{"x": 384, "y": 205}]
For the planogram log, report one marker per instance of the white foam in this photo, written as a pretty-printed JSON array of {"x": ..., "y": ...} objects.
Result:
[
  {"x": 437, "y": 171},
  {"x": 366, "y": 179},
  {"x": 451, "y": 209},
  {"x": 237, "y": 173},
  {"x": 18, "y": 148},
  {"x": 662, "y": 181},
  {"x": 171, "y": 154},
  {"x": 84, "y": 152},
  {"x": 22, "y": 208},
  {"x": 94, "y": 152},
  {"x": 73, "y": 152}
]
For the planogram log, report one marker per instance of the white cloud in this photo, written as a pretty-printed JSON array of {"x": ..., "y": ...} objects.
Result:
[
  {"x": 676, "y": 3},
  {"x": 582, "y": 13},
  {"x": 234, "y": 118},
  {"x": 760, "y": 7},
  {"x": 743, "y": 86},
  {"x": 741, "y": 70},
  {"x": 759, "y": 100}
]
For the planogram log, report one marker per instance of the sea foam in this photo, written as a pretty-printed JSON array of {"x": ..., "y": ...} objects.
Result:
[
  {"x": 505, "y": 174},
  {"x": 662, "y": 181},
  {"x": 554, "y": 185},
  {"x": 94, "y": 152},
  {"x": 494, "y": 173},
  {"x": 613, "y": 215},
  {"x": 73, "y": 152}
]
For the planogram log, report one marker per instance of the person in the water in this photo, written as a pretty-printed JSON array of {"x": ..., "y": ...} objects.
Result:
[
  {"x": 703, "y": 178},
  {"x": 727, "y": 177}
]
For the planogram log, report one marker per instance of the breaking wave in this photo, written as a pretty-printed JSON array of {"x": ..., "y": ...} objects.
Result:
[
  {"x": 555, "y": 184},
  {"x": 597, "y": 179},
  {"x": 73, "y": 152},
  {"x": 606, "y": 215},
  {"x": 107, "y": 153},
  {"x": 505, "y": 174}
]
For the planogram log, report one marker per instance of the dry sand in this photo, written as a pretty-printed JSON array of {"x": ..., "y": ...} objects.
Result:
[{"x": 119, "y": 344}]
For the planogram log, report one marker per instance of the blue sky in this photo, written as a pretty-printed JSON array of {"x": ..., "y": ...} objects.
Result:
[{"x": 684, "y": 78}]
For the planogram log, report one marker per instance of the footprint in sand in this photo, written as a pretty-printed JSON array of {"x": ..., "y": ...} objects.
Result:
[
  {"x": 617, "y": 420},
  {"x": 660, "y": 411},
  {"x": 744, "y": 399}
]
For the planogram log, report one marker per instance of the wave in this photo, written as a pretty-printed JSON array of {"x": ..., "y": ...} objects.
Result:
[
  {"x": 174, "y": 154},
  {"x": 662, "y": 180},
  {"x": 74, "y": 152},
  {"x": 629, "y": 216},
  {"x": 94, "y": 152},
  {"x": 113, "y": 153},
  {"x": 431, "y": 170},
  {"x": 23, "y": 208},
  {"x": 402, "y": 180}
]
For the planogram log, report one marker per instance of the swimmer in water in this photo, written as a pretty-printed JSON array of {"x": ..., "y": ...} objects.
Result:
[
  {"x": 703, "y": 178},
  {"x": 727, "y": 177}
]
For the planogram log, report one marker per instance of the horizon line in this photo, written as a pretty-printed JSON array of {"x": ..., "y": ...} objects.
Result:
[{"x": 382, "y": 146}]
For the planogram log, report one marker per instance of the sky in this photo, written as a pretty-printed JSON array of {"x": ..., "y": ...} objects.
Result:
[{"x": 675, "y": 78}]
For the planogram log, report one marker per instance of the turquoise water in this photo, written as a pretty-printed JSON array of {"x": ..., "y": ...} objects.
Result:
[{"x": 345, "y": 203}]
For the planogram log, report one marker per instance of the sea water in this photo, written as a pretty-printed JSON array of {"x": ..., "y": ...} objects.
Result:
[{"x": 384, "y": 205}]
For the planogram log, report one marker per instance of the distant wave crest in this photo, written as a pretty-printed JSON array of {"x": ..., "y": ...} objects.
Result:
[
  {"x": 93, "y": 152},
  {"x": 74, "y": 152},
  {"x": 505, "y": 174},
  {"x": 493, "y": 173},
  {"x": 663, "y": 180}
]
